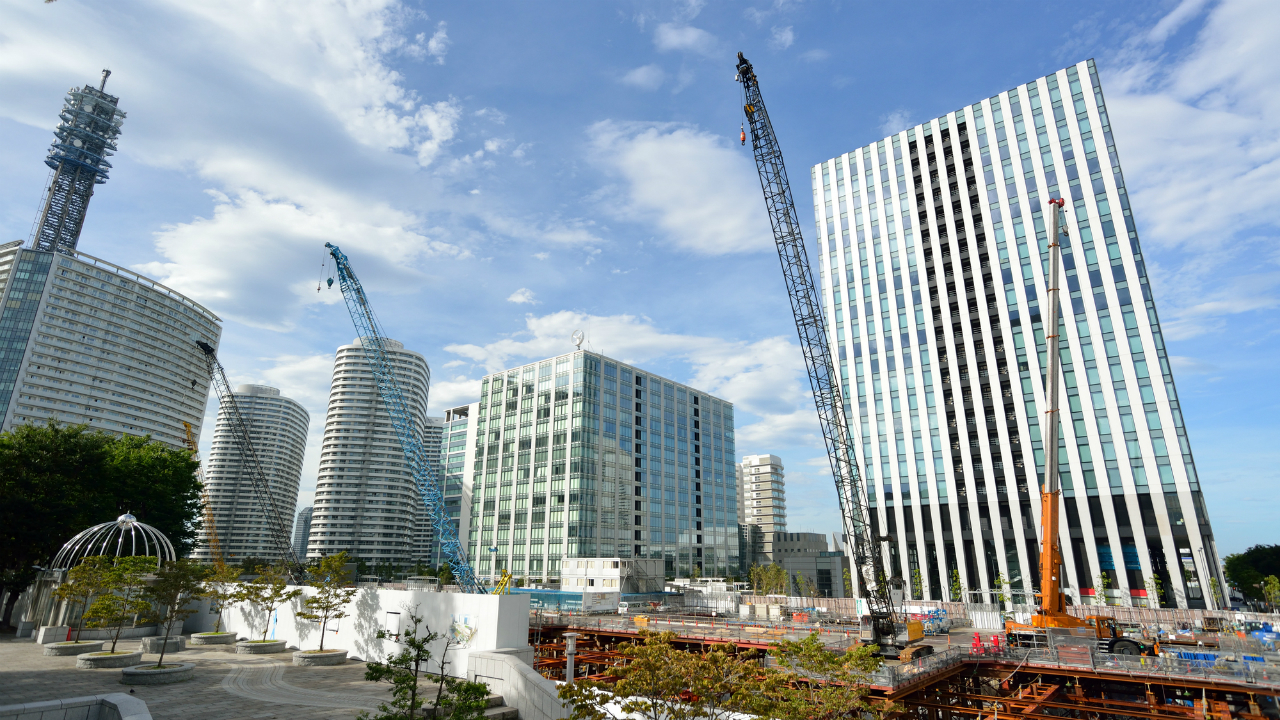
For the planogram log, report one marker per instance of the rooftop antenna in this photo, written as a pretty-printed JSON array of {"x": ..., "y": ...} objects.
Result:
[
  {"x": 105, "y": 74},
  {"x": 577, "y": 338}
]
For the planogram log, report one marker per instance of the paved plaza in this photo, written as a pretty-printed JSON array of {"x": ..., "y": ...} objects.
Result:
[{"x": 225, "y": 686}]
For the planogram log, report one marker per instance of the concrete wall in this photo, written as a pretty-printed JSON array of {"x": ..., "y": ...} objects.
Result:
[
  {"x": 481, "y": 622},
  {"x": 113, "y": 706},
  {"x": 509, "y": 672}
]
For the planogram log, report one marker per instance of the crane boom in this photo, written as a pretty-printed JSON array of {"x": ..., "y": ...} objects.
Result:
[
  {"x": 807, "y": 308},
  {"x": 276, "y": 526},
  {"x": 424, "y": 476}
]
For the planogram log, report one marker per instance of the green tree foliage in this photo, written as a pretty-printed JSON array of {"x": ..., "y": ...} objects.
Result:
[
  {"x": 445, "y": 573},
  {"x": 57, "y": 480},
  {"x": 769, "y": 579},
  {"x": 848, "y": 583},
  {"x": 123, "y": 600},
  {"x": 221, "y": 589},
  {"x": 1249, "y": 569},
  {"x": 917, "y": 584},
  {"x": 332, "y": 593},
  {"x": 85, "y": 581},
  {"x": 659, "y": 682},
  {"x": 812, "y": 681},
  {"x": 176, "y": 583},
  {"x": 998, "y": 586},
  {"x": 251, "y": 565},
  {"x": 1271, "y": 590},
  {"x": 267, "y": 592},
  {"x": 957, "y": 589},
  {"x": 454, "y": 699}
]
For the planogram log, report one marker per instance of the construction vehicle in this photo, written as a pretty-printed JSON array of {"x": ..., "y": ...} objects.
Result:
[
  {"x": 1050, "y": 623},
  {"x": 883, "y": 625},
  {"x": 406, "y": 429},
  {"x": 210, "y": 527},
  {"x": 504, "y": 583},
  {"x": 277, "y": 528}
]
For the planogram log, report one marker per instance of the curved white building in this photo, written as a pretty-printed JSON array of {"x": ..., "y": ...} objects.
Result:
[
  {"x": 278, "y": 431},
  {"x": 366, "y": 503},
  {"x": 86, "y": 341}
]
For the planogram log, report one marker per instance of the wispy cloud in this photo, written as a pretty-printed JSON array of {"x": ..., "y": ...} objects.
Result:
[
  {"x": 645, "y": 77},
  {"x": 438, "y": 45},
  {"x": 522, "y": 296},
  {"x": 895, "y": 122},
  {"x": 781, "y": 38},
  {"x": 685, "y": 38}
]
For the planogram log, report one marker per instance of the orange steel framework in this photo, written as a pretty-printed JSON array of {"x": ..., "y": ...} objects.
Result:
[{"x": 981, "y": 687}]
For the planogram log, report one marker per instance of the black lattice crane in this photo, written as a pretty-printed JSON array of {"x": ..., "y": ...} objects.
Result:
[
  {"x": 276, "y": 525},
  {"x": 806, "y": 305}
]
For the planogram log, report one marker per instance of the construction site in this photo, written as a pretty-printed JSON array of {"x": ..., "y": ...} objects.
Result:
[{"x": 1047, "y": 657}]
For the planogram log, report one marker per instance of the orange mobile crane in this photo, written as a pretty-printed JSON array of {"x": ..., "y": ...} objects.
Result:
[
  {"x": 1051, "y": 623},
  {"x": 211, "y": 528}
]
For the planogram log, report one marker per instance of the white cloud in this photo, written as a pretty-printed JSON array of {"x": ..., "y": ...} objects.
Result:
[
  {"x": 685, "y": 38},
  {"x": 781, "y": 38},
  {"x": 542, "y": 255},
  {"x": 695, "y": 186},
  {"x": 895, "y": 122},
  {"x": 1197, "y": 136},
  {"x": 815, "y": 55},
  {"x": 438, "y": 45},
  {"x": 645, "y": 77},
  {"x": 522, "y": 296},
  {"x": 763, "y": 377}
]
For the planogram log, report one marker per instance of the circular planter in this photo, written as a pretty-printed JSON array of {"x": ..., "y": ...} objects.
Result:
[
  {"x": 149, "y": 675},
  {"x": 251, "y": 647},
  {"x": 313, "y": 658},
  {"x": 62, "y": 649},
  {"x": 220, "y": 638},
  {"x": 152, "y": 645},
  {"x": 93, "y": 661}
]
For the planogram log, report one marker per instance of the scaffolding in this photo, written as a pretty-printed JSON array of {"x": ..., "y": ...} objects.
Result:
[{"x": 82, "y": 143}]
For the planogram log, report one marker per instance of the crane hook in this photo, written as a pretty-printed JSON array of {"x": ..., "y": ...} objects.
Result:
[
  {"x": 330, "y": 281},
  {"x": 743, "y": 134}
]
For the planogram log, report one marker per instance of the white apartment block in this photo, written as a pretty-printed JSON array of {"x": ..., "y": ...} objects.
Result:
[
  {"x": 762, "y": 496},
  {"x": 278, "y": 432},
  {"x": 86, "y": 341},
  {"x": 366, "y": 502}
]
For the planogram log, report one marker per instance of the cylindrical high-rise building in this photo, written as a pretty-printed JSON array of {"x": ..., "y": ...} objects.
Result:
[
  {"x": 365, "y": 497},
  {"x": 278, "y": 431}
]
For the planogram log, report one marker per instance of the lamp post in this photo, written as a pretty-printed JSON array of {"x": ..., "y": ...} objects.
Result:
[{"x": 570, "y": 649}]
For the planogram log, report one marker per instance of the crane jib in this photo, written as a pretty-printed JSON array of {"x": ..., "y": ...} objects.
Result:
[{"x": 425, "y": 480}]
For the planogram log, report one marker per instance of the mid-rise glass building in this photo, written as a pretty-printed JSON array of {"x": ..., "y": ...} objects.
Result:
[
  {"x": 583, "y": 456},
  {"x": 933, "y": 251}
]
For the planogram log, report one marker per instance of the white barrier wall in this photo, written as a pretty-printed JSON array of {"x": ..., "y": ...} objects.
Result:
[{"x": 472, "y": 622}]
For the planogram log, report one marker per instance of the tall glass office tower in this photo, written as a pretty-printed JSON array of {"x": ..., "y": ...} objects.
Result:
[
  {"x": 582, "y": 456},
  {"x": 933, "y": 252}
]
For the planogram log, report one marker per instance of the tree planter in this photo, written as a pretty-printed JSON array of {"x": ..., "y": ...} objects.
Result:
[
  {"x": 219, "y": 638},
  {"x": 61, "y": 649},
  {"x": 93, "y": 661},
  {"x": 149, "y": 675},
  {"x": 152, "y": 645},
  {"x": 313, "y": 658},
  {"x": 258, "y": 647}
]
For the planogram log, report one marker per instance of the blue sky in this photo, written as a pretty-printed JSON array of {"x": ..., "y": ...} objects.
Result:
[{"x": 504, "y": 173}]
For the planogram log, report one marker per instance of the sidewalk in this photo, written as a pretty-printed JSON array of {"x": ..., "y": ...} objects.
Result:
[{"x": 225, "y": 686}]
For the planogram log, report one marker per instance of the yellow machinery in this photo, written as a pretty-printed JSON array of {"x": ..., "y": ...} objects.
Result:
[
  {"x": 504, "y": 584},
  {"x": 211, "y": 527}
]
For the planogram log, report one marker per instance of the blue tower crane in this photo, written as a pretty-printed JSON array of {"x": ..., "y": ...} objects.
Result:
[{"x": 424, "y": 476}]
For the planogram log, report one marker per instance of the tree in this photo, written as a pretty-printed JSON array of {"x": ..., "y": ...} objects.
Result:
[
  {"x": 56, "y": 480},
  {"x": 917, "y": 584},
  {"x": 998, "y": 585},
  {"x": 1155, "y": 590},
  {"x": 176, "y": 583},
  {"x": 812, "y": 681},
  {"x": 1248, "y": 570},
  {"x": 267, "y": 592},
  {"x": 251, "y": 565},
  {"x": 1271, "y": 590},
  {"x": 445, "y": 573},
  {"x": 332, "y": 593},
  {"x": 85, "y": 581},
  {"x": 455, "y": 699},
  {"x": 848, "y": 583},
  {"x": 769, "y": 579},
  {"x": 1215, "y": 591},
  {"x": 123, "y": 601},
  {"x": 1102, "y": 584},
  {"x": 221, "y": 589},
  {"x": 957, "y": 590}
]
